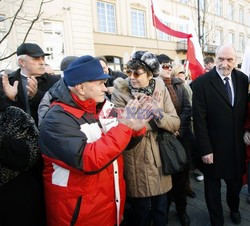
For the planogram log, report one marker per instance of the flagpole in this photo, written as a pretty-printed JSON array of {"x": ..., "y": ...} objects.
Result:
[{"x": 157, "y": 42}]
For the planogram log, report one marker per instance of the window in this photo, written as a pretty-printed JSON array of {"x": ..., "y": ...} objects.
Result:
[
  {"x": 138, "y": 23},
  {"x": 184, "y": 1},
  {"x": 241, "y": 15},
  {"x": 114, "y": 62},
  {"x": 106, "y": 17},
  {"x": 162, "y": 35},
  {"x": 230, "y": 11},
  {"x": 241, "y": 43},
  {"x": 231, "y": 38},
  {"x": 218, "y": 37},
  {"x": 54, "y": 43},
  {"x": 183, "y": 28},
  {"x": 218, "y": 7}
]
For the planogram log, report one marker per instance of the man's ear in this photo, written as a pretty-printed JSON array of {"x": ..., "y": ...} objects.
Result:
[
  {"x": 21, "y": 62},
  {"x": 80, "y": 88}
]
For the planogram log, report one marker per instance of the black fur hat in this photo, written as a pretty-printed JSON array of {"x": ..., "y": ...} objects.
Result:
[{"x": 148, "y": 60}]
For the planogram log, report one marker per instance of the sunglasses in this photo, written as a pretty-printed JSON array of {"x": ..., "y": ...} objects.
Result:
[
  {"x": 136, "y": 74},
  {"x": 166, "y": 66}
]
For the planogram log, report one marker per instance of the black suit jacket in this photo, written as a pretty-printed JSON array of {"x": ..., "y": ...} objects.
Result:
[
  {"x": 219, "y": 126},
  {"x": 45, "y": 81}
]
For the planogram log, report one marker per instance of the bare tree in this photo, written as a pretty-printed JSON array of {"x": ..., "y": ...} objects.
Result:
[
  {"x": 18, "y": 17},
  {"x": 207, "y": 24}
]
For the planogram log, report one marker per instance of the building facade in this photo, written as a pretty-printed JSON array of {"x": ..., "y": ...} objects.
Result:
[{"x": 114, "y": 28}]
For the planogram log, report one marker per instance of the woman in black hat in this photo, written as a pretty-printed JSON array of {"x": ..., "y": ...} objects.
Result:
[
  {"x": 147, "y": 186},
  {"x": 21, "y": 194}
]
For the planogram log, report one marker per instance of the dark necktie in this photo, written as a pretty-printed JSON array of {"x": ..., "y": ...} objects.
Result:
[{"x": 228, "y": 89}]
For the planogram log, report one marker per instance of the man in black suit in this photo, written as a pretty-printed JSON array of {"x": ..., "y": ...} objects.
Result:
[
  {"x": 26, "y": 87},
  {"x": 219, "y": 112}
]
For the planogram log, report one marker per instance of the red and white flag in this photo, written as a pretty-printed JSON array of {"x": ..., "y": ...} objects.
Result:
[{"x": 194, "y": 53}]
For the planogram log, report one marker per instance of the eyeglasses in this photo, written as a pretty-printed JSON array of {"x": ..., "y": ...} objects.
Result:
[
  {"x": 128, "y": 71},
  {"x": 136, "y": 74},
  {"x": 166, "y": 66}
]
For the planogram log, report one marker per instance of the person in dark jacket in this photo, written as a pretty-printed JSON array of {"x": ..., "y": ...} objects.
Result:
[
  {"x": 26, "y": 87},
  {"x": 21, "y": 194},
  {"x": 47, "y": 98},
  {"x": 219, "y": 111},
  {"x": 113, "y": 75},
  {"x": 180, "y": 99},
  {"x": 82, "y": 143}
]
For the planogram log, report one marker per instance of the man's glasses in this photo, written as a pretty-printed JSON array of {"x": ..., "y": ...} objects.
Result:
[
  {"x": 166, "y": 66},
  {"x": 136, "y": 74}
]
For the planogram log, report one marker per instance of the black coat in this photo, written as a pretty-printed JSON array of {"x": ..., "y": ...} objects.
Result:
[
  {"x": 44, "y": 83},
  {"x": 21, "y": 189},
  {"x": 114, "y": 75},
  {"x": 218, "y": 126},
  {"x": 186, "y": 136}
]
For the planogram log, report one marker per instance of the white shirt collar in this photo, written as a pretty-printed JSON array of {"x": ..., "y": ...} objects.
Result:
[
  {"x": 222, "y": 76},
  {"x": 21, "y": 72}
]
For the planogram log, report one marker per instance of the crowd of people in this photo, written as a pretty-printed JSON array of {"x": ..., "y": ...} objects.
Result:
[{"x": 81, "y": 148}]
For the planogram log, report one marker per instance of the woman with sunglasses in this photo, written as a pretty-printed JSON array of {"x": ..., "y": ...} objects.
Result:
[
  {"x": 180, "y": 99},
  {"x": 147, "y": 186}
]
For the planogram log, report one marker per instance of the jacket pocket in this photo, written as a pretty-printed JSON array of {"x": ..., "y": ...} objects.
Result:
[{"x": 76, "y": 211}]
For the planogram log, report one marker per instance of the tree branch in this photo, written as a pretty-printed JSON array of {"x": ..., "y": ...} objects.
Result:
[
  {"x": 38, "y": 15},
  {"x": 34, "y": 20},
  {"x": 13, "y": 21}
]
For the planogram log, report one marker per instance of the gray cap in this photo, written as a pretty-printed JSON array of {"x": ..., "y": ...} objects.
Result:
[{"x": 66, "y": 61}]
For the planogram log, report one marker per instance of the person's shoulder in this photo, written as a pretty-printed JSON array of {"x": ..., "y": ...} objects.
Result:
[
  {"x": 177, "y": 81},
  {"x": 240, "y": 74},
  {"x": 49, "y": 78},
  {"x": 204, "y": 77},
  {"x": 16, "y": 112},
  {"x": 14, "y": 74},
  {"x": 15, "y": 118},
  {"x": 118, "y": 74}
]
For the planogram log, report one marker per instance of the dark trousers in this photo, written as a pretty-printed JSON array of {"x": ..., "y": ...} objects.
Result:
[
  {"x": 213, "y": 197},
  {"x": 141, "y": 211},
  {"x": 178, "y": 191}
]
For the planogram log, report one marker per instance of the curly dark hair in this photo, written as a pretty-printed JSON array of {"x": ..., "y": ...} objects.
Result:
[
  {"x": 136, "y": 65},
  {"x": 145, "y": 60}
]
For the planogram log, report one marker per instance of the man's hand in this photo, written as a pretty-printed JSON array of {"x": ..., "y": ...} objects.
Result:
[
  {"x": 156, "y": 100},
  {"x": 208, "y": 159},
  {"x": 32, "y": 86},
  {"x": 246, "y": 138},
  {"x": 136, "y": 113},
  {"x": 9, "y": 90}
]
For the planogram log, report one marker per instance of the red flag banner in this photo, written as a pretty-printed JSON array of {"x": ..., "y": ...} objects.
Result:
[
  {"x": 194, "y": 54},
  {"x": 162, "y": 27}
]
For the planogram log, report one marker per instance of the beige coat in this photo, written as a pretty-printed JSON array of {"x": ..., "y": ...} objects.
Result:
[{"x": 143, "y": 167}]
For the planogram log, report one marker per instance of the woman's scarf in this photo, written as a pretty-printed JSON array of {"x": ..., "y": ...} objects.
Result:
[{"x": 148, "y": 90}]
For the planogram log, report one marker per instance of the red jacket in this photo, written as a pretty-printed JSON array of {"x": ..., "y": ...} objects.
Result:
[{"x": 83, "y": 175}]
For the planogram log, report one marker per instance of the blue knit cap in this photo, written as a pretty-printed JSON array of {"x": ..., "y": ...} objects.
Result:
[{"x": 83, "y": 69}]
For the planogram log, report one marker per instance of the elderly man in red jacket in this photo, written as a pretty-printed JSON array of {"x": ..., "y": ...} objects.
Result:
[{"x": 82, "y": 144}]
